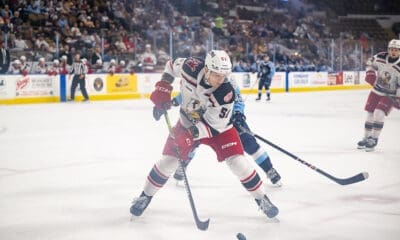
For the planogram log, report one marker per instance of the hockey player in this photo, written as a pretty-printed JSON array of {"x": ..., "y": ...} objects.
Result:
[
  {"x": 207, "y": 105},
  {"x": 249, "y": 142},
  {"x": 41, "y": 67},
  {"x": 25, "y": 67},
  {"x": 112, "y": 67},
  {"x": 55, "y": 68},
  {"x": 15, "y": 67},
  {"x": 383, "y": 73},
  {"x": 266, "y": 72}
]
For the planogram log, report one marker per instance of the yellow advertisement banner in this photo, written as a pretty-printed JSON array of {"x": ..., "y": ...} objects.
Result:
[{"x": 119, "y": 83}]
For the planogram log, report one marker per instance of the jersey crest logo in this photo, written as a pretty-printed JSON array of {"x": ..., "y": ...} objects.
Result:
[
  {"x": 228, "y": 97},
  {"x": 386, "y": 77},
  {"x": 193, "y": 63}
]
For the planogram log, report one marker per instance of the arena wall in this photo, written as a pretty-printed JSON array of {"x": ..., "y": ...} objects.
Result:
[{"x": 16, "y": 89}]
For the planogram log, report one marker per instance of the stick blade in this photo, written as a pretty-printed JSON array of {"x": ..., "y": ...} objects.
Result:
[
  {"x": 202, "y": 225},
  {"x": 355, "y": 179}
]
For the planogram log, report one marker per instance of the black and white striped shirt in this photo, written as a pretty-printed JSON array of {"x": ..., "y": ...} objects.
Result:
[{"x": 79, "y": 68}]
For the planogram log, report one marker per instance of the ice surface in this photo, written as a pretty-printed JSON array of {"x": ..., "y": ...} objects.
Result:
[{"x": 70, "y": 171}]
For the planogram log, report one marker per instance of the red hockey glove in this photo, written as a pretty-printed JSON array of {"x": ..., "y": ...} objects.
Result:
[
  {"x": 370, "y": 77},
  {"x": 183, "y": 141},
  {"x": 161, "y": 96}
]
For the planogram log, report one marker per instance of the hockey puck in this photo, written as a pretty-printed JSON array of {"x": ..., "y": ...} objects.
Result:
[{"x": 240, "y": 236}]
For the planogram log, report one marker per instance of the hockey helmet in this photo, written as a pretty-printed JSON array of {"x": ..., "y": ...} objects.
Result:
[
  {"x": 394, "y": 43},
  {"x": 218, "y": 61}
]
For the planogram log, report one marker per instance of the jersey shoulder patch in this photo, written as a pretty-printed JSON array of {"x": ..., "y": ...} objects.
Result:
[
  {"x": 192, "y": 66},
  {"x": 381, "y": 55},
  {"x": 224, "y": 94}
]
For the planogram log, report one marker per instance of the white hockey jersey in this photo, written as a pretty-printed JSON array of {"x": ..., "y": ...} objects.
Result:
[
  {"x": 206, "y": 107},
  {"x": 388, "y": 74}
]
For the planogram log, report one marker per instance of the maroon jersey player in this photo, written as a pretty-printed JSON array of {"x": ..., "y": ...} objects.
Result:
[
  {"x": 383, "y": 73},
  {"x": 207, "y": 105}
]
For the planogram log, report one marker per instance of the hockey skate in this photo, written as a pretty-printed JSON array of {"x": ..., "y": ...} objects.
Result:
[
  {"x": 258, "y": 98},
  {"x": 371, "y": 143},
  {"x": 274, "y": 176},
  {"x": 361, "y": 144},
  {"x": 140, "y": 204},
  {"x": 267, "y": 207},
  {"x": 178, "y": 175}
]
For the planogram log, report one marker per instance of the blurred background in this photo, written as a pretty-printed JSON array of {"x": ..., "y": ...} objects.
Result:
[{"x": 298, "y": 35}]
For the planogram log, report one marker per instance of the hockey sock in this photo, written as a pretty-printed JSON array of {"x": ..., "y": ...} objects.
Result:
[
  {"x": 377, "y": 129},
  {"x": 265, "y": 164},
  {"x": 246, "y": 174},
  {"x": 159, "y": 174},
  {"x": 368, "y": 129},
  {"x": 379, "y": 118},
  {"x": 155, "y": 181}
]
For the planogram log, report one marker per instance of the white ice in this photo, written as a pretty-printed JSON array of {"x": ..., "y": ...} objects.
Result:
[{"x": 70, "y": 171}]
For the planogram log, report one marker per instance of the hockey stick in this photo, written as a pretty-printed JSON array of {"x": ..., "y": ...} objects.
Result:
[
  {"x": 202, "y": 225},
  {"x": 342, "y": 181},
  {"x": 251, "y": 88}
]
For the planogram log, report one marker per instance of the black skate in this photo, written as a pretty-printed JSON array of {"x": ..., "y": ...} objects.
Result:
[
  {"x": 258, "y": 98},
  {"x": 267, "y": 207},
  {"x": 274, "y": 176},
  {"x": 371, "y": 143},
  {"x": 361, "y": 144},
  {"x": 140, "y": 204},
  {"x": 178, "y": 175}
]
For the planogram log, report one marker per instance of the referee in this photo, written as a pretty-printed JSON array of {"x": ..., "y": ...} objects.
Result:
[{"x": 79, "y": 70}]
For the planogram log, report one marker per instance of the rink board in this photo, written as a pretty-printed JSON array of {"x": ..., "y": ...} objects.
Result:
[{"x": 17, "y": 89}]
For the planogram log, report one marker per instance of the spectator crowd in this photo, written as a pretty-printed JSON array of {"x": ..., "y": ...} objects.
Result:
[{"x": 140, "y": 36}]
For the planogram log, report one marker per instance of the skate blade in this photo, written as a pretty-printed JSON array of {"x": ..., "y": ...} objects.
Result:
[
  {"x": 179, "y": 183},
  {"x": 274, "y": 220},
  {"x": 133, "y": 218},
  {"x": 277, "y": 184},
  {"x": 369, "y": 149}
]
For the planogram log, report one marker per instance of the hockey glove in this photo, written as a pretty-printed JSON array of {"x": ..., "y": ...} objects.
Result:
[
  {"x": 183, "y": 141},
  {"x": 161, "y": 96},
  {"x": 370, "y": 77},
  {"x": 238, "y": 119}
]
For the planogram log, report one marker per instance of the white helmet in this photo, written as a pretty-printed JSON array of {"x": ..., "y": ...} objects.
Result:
[
  {"x": 218, "y": 61},
  {"x": 394, "y": 43}
]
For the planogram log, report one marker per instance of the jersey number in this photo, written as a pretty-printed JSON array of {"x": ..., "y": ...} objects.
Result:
[{"x": 224, "y": 113}]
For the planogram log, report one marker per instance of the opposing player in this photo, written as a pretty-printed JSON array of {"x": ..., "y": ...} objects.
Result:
[
  {"x": 249, "y": 142},
  {"x": 266, "y": 72},
  {"x": 207, "y": 105},
  {"x": 383, "y": 73}
]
